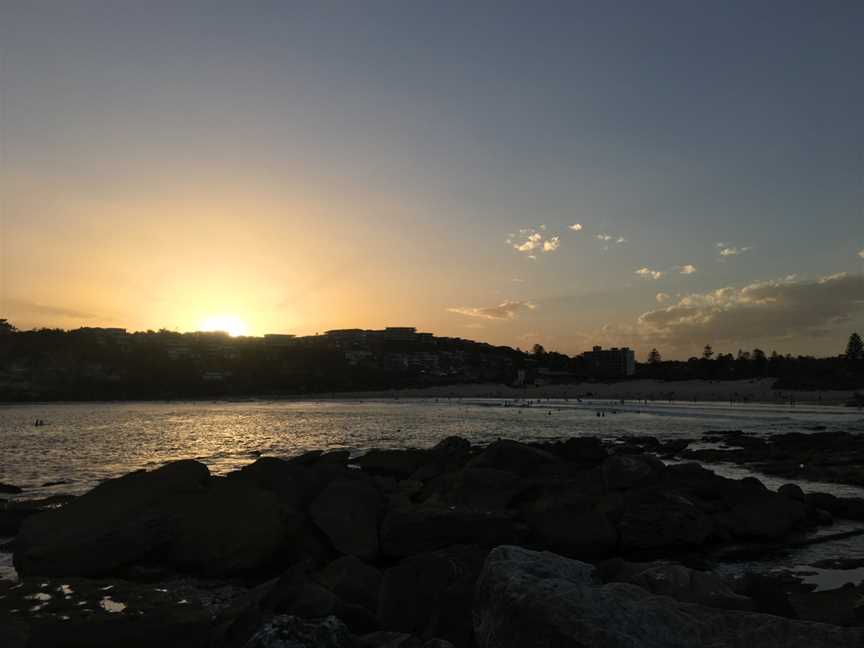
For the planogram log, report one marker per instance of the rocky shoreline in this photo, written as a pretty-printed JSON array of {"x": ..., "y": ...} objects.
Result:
[{"x": 576, "y": 542}]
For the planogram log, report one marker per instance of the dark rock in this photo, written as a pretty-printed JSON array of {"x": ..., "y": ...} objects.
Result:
[
  {"x": 348, "y": 513},
  {"x": 69, "y": 613},
  {"x": 430, "y": 594},
  {"x": 763, "y": 517},
  {"x": 384, "y": 639},
  {"x": 527, "y": 598},
  {"x": 792, "y": 491},
  {"x": 679, "y": 582},
  {"x": 514, "y": 457},
  {"x": 287, "y": 631},
  {"x": 661, "y": 519},
  {"x": 117, "y": 523},
  {"x": 479, "y": 488},
  {"x": 840, "y": 606},
  {"x": 586, "y": 451},
  {"x": 13, "y": 514},
  {"x": 296, "y": 483},
  {"x": 10, "y": 489},
  {"x": 405, "y": 532},
  {"x": 571, "y": 524},
  {"x": 630, "y": 471},
  {"x": 400, "y": 464},
  {"x": 353, "y": 581}
]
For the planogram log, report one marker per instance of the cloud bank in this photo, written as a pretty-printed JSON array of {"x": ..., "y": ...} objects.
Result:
[{"x": 509, "y": 309}]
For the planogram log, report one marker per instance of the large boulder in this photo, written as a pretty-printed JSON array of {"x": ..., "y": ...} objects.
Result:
[
  {"x": 405, "y": 532},
  {"x": 69, "y": 613},
  {"x": 478, "y": 488},
  {"x": 430, "y": 594},
  {"x": 176, "y": 515},
  {"x": 571, "y": 523},
  {"x": 13, "y": 513},
  {"x": 764, "y": 517},
  {"x": 624, "y": 471},
  {"x": 679, "y": 582},
  {"x": 353, "y": 581},
  {"x": 348, "y": 513},
  {"x": 400, "y": 464},
  {"x": 514, "y": 457},
  {"x": 117, "y": 523},
  {"x": 657, "y": 519},
  {"x": 529, "y": 598}
]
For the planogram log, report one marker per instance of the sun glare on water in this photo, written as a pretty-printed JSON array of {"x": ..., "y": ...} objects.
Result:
[{"x": 230, "y": 324}]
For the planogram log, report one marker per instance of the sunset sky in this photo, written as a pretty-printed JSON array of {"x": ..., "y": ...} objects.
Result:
[{"x": 637, "y": 173}]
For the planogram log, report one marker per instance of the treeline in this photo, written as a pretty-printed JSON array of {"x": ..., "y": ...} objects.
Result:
[{"x": 845, "y": 371}]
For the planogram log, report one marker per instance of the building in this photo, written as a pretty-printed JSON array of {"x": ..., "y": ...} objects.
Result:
[
  {"x": 610, "y": 363},
  {"x": 279, "y": 340}
]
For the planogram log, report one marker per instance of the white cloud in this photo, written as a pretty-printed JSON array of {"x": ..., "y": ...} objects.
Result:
[
  {"x": 604, "y": 237},
  {"x": 662, "y": 297},
  {"x": 734, "y": 251},
  {"x": 543, "y": 228},
  {"x": 529, "y": 239},
  {"x": 686, "y": 269},
  {"x": 766, "y": 309},
  {"x": 648, "y": 273},
  {"x": 517, "y": 280},
  {"x": 861, "y": 253},
  {"x": 505, "y": 310},
  {"x": 550, "y": 245},
  {"x": 576, "y": 227},
  {"x": 620, "y": 239}
]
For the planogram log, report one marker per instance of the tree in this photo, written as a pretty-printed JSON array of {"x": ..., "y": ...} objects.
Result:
[
  {"x": 6, "y": 327},
  {"x": 654, "y": 357},
  {"x": 707, "y": 352},
  {"x": 538, "y": 350},
  {"x": 855, "y": 348},
  {"x": 760, "y": 362}
]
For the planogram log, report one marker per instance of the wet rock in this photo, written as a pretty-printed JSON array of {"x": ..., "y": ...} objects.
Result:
[
  {"x": 514, "y": 457},
  {"x": 10, "y": 489},
  {"x": 840, "y": 606},
  {"x": 287, "y": 631},
  {"x": 430, "y": 594},
  {"x": 655, "y": 519},
  {"x": 405, "y": 532},
  {"x": 622, "y": 472},
  {"x": 353, "y": 581},
  {"x": 101, "y": 613},
  {"x": 679, "y": 582},
  {"x": 348, "y": 513},
  {"x": 528, "y": 598}
]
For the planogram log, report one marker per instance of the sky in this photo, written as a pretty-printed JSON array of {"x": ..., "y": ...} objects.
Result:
[{"x": 667, "y": 174}]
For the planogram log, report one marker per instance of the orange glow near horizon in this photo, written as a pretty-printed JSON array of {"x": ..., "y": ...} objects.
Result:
[{"x": 226, "y": 323}]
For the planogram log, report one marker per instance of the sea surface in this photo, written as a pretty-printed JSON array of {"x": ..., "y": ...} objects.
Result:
[{"x": 84, "y": 443}]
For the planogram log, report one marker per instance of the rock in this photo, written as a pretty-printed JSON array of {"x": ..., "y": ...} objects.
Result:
[
  {"x": 400, "y": 464},
  {"x": 477, "y": 488},
  {"x": 679, "y": 582},
  {"x": 353, "y": 581},
  {"x": 630, "y": 471},
  {"x": 514, "y": 457},
  {"x": 430, "y": 594},
  {"x": 117, "y": 523},
  {"x": 296, "y": 483},
  {"x": 10, "y": 489},
  {"x": 174, "y": 515},
  {"x": 661, "y": 519},
  {"x": 348, "y": 513},
  {"x": 405, "y": 532},
  {"x": 13, "y": 514},
  {"x": 529, "y": 598},
  {"x": 287, "y": 631},
  {"x": 102, "y": 613},
  {"x": 384, "y": 639},
  {"x": 840, "y": 606},
  {"x": 571, "y": 524},
  {"x": 586, "y": 451},
  {"x": 764, "y": 517},
  {"x": 792, "y": 491},
  {"x": 232, "y": 528}
]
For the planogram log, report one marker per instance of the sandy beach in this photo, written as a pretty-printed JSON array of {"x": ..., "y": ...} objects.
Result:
[{"x": 752, "y": 391}]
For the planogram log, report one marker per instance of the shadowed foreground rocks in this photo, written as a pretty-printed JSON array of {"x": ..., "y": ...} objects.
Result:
[
  {"x": 387, "y": 549},
  {"x": 529, "y": 598}
]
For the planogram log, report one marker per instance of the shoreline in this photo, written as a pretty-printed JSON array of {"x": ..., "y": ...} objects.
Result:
[{"x": 756, "y": 391}]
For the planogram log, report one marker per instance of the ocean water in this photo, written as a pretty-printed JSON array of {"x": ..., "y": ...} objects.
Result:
[{"x": 83, "y": 443}]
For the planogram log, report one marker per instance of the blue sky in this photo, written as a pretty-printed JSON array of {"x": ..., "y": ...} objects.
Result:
[{"x": 316, "y": 165}]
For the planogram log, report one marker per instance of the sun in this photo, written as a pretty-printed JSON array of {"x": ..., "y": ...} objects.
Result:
[{"x": 230, "y": 324}]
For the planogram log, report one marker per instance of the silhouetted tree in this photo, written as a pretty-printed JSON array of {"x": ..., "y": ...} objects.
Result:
[
  {"x": 7, "y": 327},
  {"x": 538, "y": 351},
  {"x": 654, "y": 357},
  {"x": 707, "y": 352},
  {"x": 760, "y": 362},
  {"x": 854, "y": 348}
]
